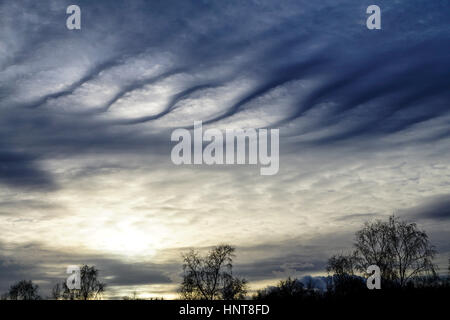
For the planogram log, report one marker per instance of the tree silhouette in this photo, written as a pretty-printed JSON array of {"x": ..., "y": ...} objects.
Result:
[
  {"x": 342, "y": 268},
  {"x": 286, "y": 289},
  {"x": 234, "y": 288},
  {"x": 291, "y": 289},
  {"x": 23, "y": 290},
  {"x": 210, "y": 277},
  {"x": 399, "y": 248},
  {"x": 342, "y": 264},
  {"x": 448, "y": 273},
  {"x": 91, "y": 287}
]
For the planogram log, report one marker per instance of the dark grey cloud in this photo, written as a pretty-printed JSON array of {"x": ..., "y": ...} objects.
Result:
[
  {"x": 294, "y": 257},
  {"x": 432, "y": 208},
  {"x": 20, "y": 169},
  {"x": 11, "y": 270},
  {"x": 136, "y": 274},
  {"x": 281, "y": 267}
]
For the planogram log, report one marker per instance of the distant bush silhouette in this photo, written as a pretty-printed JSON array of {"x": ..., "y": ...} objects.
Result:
[
  {"x": 22, "y": 290},
  {"x": 210, "y": 277},
  {"x": 134, "y": 296},
  {"x": 286, "y": 289}
]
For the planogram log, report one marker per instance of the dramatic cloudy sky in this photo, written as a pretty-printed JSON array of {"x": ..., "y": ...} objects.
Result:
[{"x": 86, "y": 117}]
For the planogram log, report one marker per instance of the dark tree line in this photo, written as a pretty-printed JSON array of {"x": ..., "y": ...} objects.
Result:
[{"x": 400, "y": 249}]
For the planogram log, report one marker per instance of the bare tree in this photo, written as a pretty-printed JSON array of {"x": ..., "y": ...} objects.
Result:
[
  {"x": 210, "y": 277},
  {"x": 448, "y": 273},
  {"x": 134, "y": 296},
  {"x": 342, "y": 264},
  {"x": 373, "y": 248},
  {"x": 23, "y": 290},
  {"x": 291, "y": 287},
  {"x": 91, "y": 287},
  {"x": 234, "y": 289},
  {"x": 399, "y": 248},
  {"x": 343, "y": 269},
  {"x": 56, "y": 292}
]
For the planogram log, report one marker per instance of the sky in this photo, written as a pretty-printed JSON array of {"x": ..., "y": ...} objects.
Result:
[{"x": 86, "y": 118}]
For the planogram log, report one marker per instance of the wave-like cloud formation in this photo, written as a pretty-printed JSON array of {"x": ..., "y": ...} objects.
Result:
[
  {"x": 352, "y": 68},
  {"x": 251, "y": 64},
  {"x": 363, "y": 117}
]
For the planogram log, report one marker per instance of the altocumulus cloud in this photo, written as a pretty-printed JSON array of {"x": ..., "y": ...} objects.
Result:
[{"x": 86, "y": 116}]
